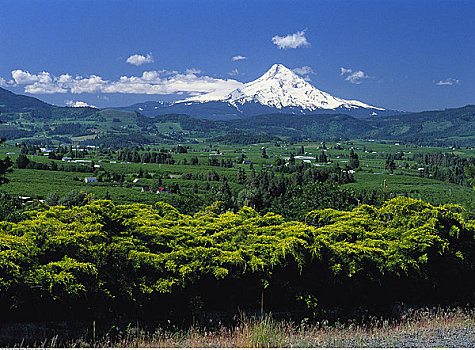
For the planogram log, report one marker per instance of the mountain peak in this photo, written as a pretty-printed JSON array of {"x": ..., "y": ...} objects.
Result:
[
  {"x": 280, "y": 72},
  {"x": 279, "y": 68},
  {"x": 281, "y": 88}
]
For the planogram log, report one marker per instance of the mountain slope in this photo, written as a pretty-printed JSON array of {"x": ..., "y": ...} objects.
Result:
[
  {"x": 13, "y": 103},
  {"x": 442, "y": 128},
  {"x": 434, "y": 127},
  {"x": 279, "y": 90}
]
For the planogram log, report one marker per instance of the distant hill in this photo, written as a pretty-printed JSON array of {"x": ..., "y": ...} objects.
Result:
[
  {"x": 39, "y": 119},
  {"x": 13, "y": 103},
  {"x": 320, "y": 126},
  {"x": 456, "y": 125}
]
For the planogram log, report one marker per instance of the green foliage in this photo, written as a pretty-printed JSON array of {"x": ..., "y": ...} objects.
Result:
[
  {"x": 299, "y": 200},
  {"x": 72, "y": 198},
  {"x": 5, "y": 165},
  {"x": 22, "y": 161},
  {"x": 103, "y": 256},
  {"x": 470, "y": 173},
  {"x": 239, "y": 138},
  {"x": 10, "y": 208}
]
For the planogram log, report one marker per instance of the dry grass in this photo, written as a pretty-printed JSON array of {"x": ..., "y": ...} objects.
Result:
[{"x": 266, "y": 332}]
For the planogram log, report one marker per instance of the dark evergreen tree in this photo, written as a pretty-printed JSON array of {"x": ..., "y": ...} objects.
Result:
[
  {"x": 292, "y": 159},
  {"x": 354, "y": 160},
  {"x": 22, "y": 161},
  {"x": 390, "y": 165},
  {"x": 241, "y": 176},
  {"x": 322, "y": 158},
  {"x": 264, "y": 153},
  {"x": 225, "y": 195}
]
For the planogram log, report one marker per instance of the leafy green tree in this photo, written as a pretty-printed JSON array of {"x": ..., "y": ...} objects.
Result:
[
  {"x": 73, "y": 198},
  {"x": 249, "y": 198},
  {"x": 470, "y": 173},
  {"x": 22, "y": 161},
  {"x": 52, "y": 198},
  {"x": 133, "y": 260},
  {"x": 10, "y": 208},
  {"x": 5, "y": 167},
  {"x": 301, "y": 200}
]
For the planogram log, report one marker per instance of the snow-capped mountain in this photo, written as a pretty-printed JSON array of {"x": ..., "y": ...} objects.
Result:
[{"x": 279, "y": 90}]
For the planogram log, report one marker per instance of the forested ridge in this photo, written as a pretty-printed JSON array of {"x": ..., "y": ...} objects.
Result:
[
  {"x": 30, "y": 118},
  {"x": 151, "y": 261}
]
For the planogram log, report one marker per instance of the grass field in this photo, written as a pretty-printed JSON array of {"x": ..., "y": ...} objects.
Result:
[{"x": 432, "y": 191}]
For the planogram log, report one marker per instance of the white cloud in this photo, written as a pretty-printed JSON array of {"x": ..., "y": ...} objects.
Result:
[
  {"x": 354, "y": 77},
  {"x": 138, "y": 60},
  {"x": 291, "y": 41},
  {"x": 78, "y": 104},
  {"x": 22, "y": 77},
  {"x": 41, "y": 83},
  {"x": 3, "y": 82},
  {"x": 150, "y": 83},
  {"x": 44, "y": 88},
  {"x": 192, "y": 71},
  {"x": 447, "y": 82},
  {"x": 234, "y": 72},
  {"x": 343, "y": 70},
  {"x": 304, "y": 71},
  {"x": 239, "y": 58}
]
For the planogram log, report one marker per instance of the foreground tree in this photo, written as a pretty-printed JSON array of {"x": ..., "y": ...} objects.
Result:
[
  {"x": 5, "y": 165},
  {"x": 101, "y": 259},
  {"x": 470, "y": 173}
]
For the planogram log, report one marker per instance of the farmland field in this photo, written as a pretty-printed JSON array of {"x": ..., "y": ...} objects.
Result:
[{"x": 371, "y": 174}]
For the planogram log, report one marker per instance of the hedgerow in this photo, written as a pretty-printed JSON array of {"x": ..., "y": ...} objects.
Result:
[{"x": 153, "y": 261}]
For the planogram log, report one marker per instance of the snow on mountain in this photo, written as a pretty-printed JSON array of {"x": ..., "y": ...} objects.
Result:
[{"x": 281, "y": 88}]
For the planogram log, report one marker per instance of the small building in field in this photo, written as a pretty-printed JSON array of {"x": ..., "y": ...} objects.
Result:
[
  {"x": 136, "y": 181},
  {"x": 90, "y": 179},
  {"x": 162, "y": 190}
]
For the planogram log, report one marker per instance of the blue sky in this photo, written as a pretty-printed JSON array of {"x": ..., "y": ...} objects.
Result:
[{"x": 407, "y": 55}]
